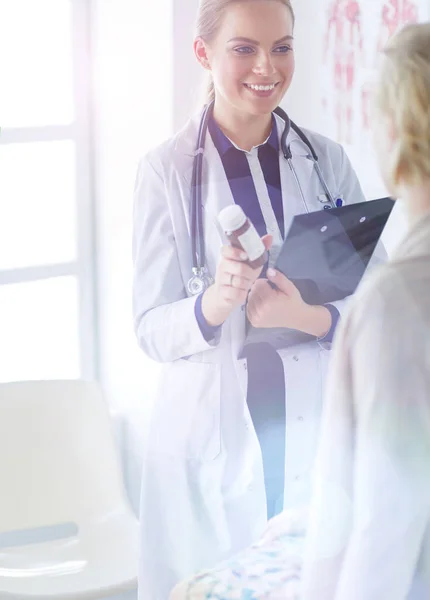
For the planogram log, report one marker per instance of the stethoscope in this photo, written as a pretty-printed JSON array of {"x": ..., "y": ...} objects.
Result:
[{"x": 201, "y": 280}]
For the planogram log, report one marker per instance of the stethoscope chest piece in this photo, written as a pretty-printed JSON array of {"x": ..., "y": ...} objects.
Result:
[{"x": 199, "y": 282}]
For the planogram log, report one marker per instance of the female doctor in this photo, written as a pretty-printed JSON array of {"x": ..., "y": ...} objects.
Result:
[{"x": 208, "y": 484}]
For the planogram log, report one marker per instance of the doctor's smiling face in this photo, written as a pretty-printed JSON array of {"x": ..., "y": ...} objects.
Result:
[{"x": 247, "y": 45}]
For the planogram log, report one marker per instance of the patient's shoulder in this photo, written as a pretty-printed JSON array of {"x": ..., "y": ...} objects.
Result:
[{"x": 395, "y": 294}]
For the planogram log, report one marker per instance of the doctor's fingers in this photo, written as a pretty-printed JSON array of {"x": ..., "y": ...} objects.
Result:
[
  {"x": 234, "y": 281},
  {"x": 239, "y": 269},
  {"x": 255, "y": 302},
  {"x": 233, "y": 253},
  {"x": 233, "y": 296}
]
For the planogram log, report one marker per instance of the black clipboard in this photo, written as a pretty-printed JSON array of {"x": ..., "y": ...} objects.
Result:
[{"x": 325, "y": 254}]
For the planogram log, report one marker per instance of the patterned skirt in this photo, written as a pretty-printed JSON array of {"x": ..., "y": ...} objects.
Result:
[{"x": 268, "y": 570}]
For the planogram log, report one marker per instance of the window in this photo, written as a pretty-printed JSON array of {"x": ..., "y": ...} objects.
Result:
[{"x": 46, "y": 206}]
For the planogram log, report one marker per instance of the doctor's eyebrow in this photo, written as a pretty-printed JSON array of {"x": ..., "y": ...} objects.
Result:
[{"x": 286, "y": 38}]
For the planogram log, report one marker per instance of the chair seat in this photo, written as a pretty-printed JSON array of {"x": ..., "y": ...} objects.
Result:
[{"x": 100, "y": 560}]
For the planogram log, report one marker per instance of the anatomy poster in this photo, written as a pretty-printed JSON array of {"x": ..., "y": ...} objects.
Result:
[{"x": 354, "y": 32}]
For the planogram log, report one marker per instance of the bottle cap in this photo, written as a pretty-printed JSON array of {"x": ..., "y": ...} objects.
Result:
[{"x": 232, "y": 218}]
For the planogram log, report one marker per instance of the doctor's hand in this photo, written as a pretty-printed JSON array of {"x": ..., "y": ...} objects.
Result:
[
  {"x": 233, "y": 280},
  {"x": 283, "y": 306}
]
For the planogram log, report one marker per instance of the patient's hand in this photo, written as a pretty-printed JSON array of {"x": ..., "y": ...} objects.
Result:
[
  {"x": 289, "y": 522},
  {"x": 179, "y": 592}
]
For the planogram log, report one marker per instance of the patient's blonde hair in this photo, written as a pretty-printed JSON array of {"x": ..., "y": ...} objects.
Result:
[{"x": 403, "y": 93}]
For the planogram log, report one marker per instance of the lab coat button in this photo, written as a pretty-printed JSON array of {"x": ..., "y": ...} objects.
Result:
[
  {"x": 296, "y": 358},
  {"x": 300, "y": 418}
]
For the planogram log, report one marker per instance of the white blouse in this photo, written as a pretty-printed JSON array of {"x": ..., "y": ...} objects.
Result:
[{"x": 369, "y": 529}]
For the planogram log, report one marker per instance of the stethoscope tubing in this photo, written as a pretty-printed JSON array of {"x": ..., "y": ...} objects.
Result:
[{"x": 196, "y": 216}]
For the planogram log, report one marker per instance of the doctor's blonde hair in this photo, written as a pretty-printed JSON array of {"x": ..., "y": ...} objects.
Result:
[
  {"x": 403, "y": 93},
  {"x": 209, "y": 20}
]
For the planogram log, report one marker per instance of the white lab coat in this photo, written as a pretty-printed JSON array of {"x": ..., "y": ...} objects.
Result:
[
  {"x": 369, "y": 530},
  {"x": 203, "y": 495}
]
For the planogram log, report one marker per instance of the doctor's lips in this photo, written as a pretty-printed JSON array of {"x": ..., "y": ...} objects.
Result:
[{"x": 263, "y": 90}]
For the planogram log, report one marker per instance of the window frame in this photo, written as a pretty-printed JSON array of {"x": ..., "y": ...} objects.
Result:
[{"x": 80, "y": 132}]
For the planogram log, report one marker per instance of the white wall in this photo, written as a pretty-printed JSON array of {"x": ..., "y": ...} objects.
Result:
[
  {"x": 187, "y": 74},
  {"x": 301, "y": 99},
  {"x": 132, "y": 111}
]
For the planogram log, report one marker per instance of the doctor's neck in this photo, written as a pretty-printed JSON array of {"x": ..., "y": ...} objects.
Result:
[{"x": 244, "y": 129}]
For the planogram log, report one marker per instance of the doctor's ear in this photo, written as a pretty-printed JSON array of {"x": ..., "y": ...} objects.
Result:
[{"x": 200, "y": 50}]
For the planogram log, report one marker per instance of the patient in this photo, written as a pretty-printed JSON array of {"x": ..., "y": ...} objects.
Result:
[
  {"x": 369, "y": 525},
  {"x": 368, "y": 531}
]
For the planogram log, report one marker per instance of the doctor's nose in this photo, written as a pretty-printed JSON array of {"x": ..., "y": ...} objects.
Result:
[{"x": 264, "y": 65}]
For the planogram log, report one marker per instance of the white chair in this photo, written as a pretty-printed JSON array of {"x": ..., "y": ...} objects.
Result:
[{"x": 60, "y": 476}]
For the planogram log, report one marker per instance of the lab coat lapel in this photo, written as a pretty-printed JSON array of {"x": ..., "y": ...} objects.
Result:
[
  {"x": 216, "y": 195},
  {"x": 291, "y": 199}
]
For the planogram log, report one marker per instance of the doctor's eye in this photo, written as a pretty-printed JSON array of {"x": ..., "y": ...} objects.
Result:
[
  {"x": 244, "y": 50},
  {"x": 283, "y": 49}
]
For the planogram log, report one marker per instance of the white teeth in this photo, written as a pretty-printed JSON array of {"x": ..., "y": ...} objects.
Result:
[{"x": 261, "y": 88}]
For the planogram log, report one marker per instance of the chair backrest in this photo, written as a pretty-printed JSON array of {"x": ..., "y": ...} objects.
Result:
[{"x": 58, "y": 459}]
